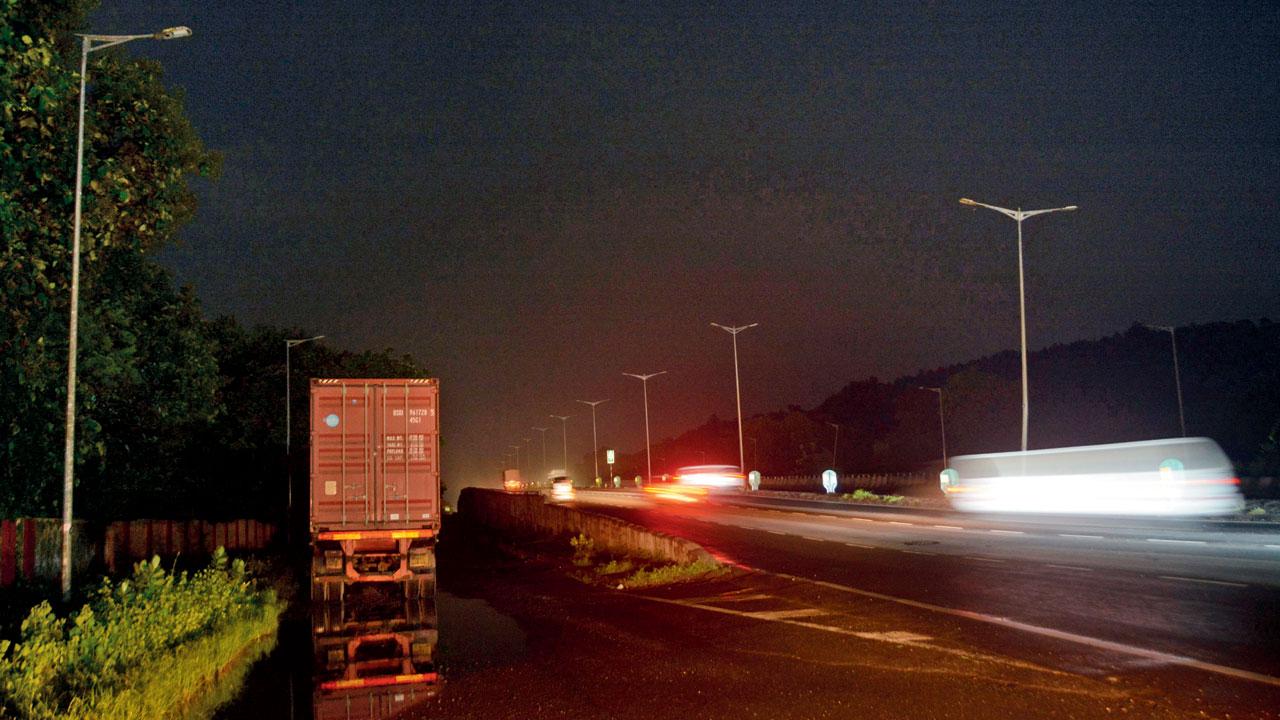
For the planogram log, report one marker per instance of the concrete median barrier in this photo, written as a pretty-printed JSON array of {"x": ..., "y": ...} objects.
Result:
[{"x": 529, "y": 515}]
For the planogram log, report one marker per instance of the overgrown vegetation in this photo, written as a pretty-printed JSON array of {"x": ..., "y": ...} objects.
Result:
[
  {"x": 866, "y": 496},
  {"x": 667, "y": 574},
  {"x": 583, "y": 549},
  {"x": 631, "y": 572},
  {"x": 143, "y": 647}
]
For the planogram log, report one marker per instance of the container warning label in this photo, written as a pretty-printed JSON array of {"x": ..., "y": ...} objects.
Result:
[{"x": 330, "y": 487}]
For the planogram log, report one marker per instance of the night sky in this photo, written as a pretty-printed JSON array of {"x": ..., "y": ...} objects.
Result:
[{"x": 534, "y": 199}]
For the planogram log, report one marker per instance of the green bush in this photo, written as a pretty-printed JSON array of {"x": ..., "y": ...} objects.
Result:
[
  {"x": 614, "y": 567},
  {"x": 862, "y": 495},
  {"x": 583, "y": 548},
  {"x": 667, "y": 574},
  {"x": 138, "y": 648}
]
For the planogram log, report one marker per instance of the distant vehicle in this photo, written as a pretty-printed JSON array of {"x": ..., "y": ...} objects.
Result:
[
  {"x": 561, "y": 486},
  {"x": 1179, "y": 476},
  {"x": 511, "y": 481}
]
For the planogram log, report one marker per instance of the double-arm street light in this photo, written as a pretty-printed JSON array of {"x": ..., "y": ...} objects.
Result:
[
  {"x": 737, "y": 386},
  {"x": 1177, "y": 374},
  {"x": 648, "y": 458},
  {"x": 1019, "y": 215},
  {"x": 595, "y": 442},
  {"x": 564, "y": 439},
  {"x": 88, "y": 44},
  {"x": 942, "y": 423},
  {"x": 289, "y": 344}
]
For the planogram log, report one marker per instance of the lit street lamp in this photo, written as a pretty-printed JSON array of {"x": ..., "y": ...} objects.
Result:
[
  {"x": 564, "y": 438},
  {"x": 595, "y": 443},
  {"x": 289, "y": 344},
  {"x": 1019, "y": 215},
  {"x": 88, "y": 44},
  {"x": 942, "y": 423},
  {"x": 519, "y": 470},
  {"x": 737, "y": 387},
  {"x": 544, "y": 448},
  {"x": 648, "y": 458},
  {"x": 1177, "y": 374},
  {"x": 836, "y": 445}
]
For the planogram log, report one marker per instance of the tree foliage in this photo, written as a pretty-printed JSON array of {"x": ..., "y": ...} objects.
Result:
[
  {"x": 143, "y": 362},
  {"x": 177, "y": 415}
]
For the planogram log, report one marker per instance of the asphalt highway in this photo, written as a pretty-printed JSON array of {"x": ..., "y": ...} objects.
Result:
[{"x": 1203, "y": 595}]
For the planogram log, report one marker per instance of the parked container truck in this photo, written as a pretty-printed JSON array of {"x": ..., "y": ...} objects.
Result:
[{"x": 375, "y": 484}]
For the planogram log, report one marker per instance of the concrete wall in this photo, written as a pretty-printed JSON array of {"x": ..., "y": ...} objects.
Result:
[{"x": 529, "y": 514}]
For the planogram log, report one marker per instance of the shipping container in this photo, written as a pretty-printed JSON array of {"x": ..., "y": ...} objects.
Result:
[{"x": 375, "y": 483}]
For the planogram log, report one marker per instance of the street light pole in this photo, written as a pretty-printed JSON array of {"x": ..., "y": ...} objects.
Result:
[
  {"x": 942, "y": 423},
  {"x": 1177, "y": 374},
  {"x": 1019, "y": 215},
  {"x": 737, "y": 387},
  {"x": 564, "y": 438},
  {"x": 648, "y": 457},
  {"x": 289, "y": 344},
  {"x": 88, "y": 44},
  {"x": 835, "y": 446},
  {"x": 518, "y": 469},
  {"x": 595, "y": 442},
  {"x": 544, "y": 448}
]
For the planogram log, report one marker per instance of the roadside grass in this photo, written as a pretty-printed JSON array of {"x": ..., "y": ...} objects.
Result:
[
  {"x": 622, "y": 572},
  {"x": 152, "y": 646},
  {"x": 866, "y": 496},
  {"x": 669, "y": 574}
]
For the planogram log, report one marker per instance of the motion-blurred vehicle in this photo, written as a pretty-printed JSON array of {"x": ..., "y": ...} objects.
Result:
[
  {"x": 1178, "y": 476},
  {"x": 561, "y": 486},
  {"x": 511, "y": 481},
  {"x": 711, "y": 477},
  {"x": 695, "y": 482}
]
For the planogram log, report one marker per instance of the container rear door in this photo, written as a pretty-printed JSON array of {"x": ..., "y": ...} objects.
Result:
[{"x": 409, "y": 491}]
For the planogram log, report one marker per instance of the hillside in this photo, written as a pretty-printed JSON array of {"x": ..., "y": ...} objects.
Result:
[{"x": 1114, "y": 389}]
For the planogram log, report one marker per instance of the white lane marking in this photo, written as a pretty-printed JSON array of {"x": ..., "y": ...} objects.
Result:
[
  {"x": 1008, "y": 532},
  {"x": 732, "y": 598},
  {"x": 1069, "y": 567},
  {"x": 1276, "y": 547},
  {"x": 786, "y": 614},
  {"x": 1056, "y": 634},
  {"x": 897, "y": 637},
  {"x": 864, "y": 547},
  {"x": 1085, "y": 537},
  {"x": 1177, "y": 542},
  {"x": 1202, "y": 580},
  {"x": 897, "y": 522},
  {"x": 815, "y": 539},
  {"x": 949, "y": 527},
  {"x": 775, "y": 532},
  {"x": 983, "y": 559},
  {"x": 916, "y": 552},
  {"x": 862, "y": 519}
]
